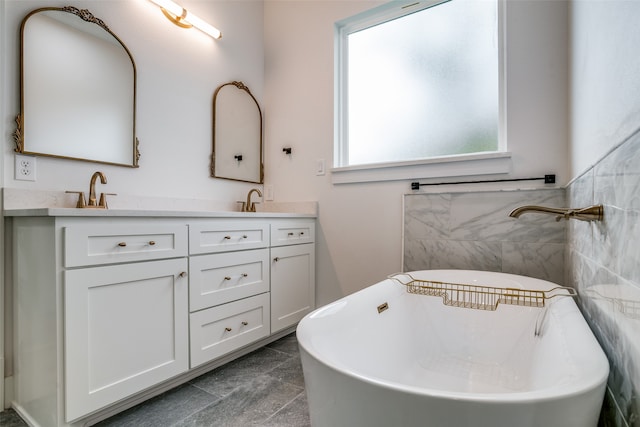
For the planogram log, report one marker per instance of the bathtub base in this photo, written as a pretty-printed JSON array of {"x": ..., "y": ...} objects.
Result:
[{"x": 332, "y": 397}]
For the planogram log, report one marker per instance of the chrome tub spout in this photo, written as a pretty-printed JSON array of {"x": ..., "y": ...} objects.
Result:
[{"x": 591, "y": 213}]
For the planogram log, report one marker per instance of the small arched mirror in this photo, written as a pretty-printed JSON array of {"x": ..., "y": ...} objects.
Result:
[
  {"x": 77, "y": 92},
  {"x": 237, "y": 134}
]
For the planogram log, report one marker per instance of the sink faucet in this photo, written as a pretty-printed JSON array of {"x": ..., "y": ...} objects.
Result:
[
  {"x": 591, "y": 213},
  {"x": 102, "y": 204},
  {"x": 92, "y": 187},
  {"x": 250, "y": 206}
]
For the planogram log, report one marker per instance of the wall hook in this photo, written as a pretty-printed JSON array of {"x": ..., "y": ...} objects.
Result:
[
  {"x": 287, "y": 150},
  {"x": 238, "y": 157}
]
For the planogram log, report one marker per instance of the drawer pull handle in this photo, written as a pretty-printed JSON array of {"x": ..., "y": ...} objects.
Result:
[
  {"x": 183, "y": 274},
  {"x": 227, "y": 237},
  {"x": 151, "y": 242},
  {"x": 244, "y": 274},
  {"x": 289, "y": 234},
  {"x": 244, "y": 236},
  {"x": 228, "y": 329},
  {"x": 245, "y": 323},
  {"x": 227, "y": 278},
  {"x": 302, "y": 233},
  {"x": 122, "y": 244},
  {"x": 276, "y": 259}
]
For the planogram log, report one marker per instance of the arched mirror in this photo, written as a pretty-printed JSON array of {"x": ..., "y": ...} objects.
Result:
[
  {"x": 237, "y": 134},
  {"x": 77, "y": 91}
]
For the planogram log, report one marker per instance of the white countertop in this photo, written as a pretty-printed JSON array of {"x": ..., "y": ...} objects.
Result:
[{"x": 88, "y": 212}]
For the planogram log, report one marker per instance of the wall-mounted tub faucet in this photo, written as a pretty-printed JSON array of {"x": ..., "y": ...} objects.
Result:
[{"x": 591, "y": 213}]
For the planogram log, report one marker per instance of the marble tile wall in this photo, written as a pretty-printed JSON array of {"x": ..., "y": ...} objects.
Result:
[
  {"x": 604, "y": 266},
  {"x": 472, "y": 230}
]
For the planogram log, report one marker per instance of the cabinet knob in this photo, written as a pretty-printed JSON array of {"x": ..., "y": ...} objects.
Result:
[
  {"x": 183, "y": 274},
  {"x": 302, "y": 233},
  {"x": 122, "y": 244},
  {"x": 244, "y": 274},
  {"x": 227, "y": 237},
  {"x": 276, "y": 259},
  {"x": 244, "y": 236},
  {"x": 245, "y": 323},
  {"x": 151, "y": 242},
  {"x": 228, "y": 329},
  {"x": 227, "y": 278},
  {"x": 289, "y": 234}
]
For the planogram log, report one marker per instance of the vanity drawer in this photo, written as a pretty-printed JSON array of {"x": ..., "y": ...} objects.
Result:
[
  {"x": 220, "y": 278},
  {"x": 292, "y": 233},
  {"x": 223, "y": 236},
  {"x": 88, "y": 245},
  {"x": 220, "y": 330}
]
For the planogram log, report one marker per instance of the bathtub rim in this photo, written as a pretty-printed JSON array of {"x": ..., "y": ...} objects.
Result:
[{"x": 575, "y": 388}]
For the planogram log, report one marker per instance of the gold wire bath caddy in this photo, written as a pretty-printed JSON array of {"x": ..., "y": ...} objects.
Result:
[{"x": 480, "y": 297}]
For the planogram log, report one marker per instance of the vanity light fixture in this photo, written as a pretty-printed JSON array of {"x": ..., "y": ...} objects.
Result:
[{"x": 185, "y": 19}]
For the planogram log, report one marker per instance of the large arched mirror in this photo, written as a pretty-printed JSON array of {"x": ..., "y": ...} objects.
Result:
[
  {"x": 237, "y": 134},
  {"x": 78, "y": 89}
]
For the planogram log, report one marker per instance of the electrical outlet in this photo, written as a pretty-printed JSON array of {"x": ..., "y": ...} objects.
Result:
[
  {"x": 25, "y": 168},
  {"x": 268, "y": 192}
]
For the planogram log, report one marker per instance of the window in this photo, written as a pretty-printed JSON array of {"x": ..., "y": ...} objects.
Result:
[{"x": 418, "y": 81}]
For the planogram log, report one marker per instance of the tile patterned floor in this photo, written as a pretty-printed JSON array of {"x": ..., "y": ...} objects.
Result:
[{"x": 262, "y": 389}]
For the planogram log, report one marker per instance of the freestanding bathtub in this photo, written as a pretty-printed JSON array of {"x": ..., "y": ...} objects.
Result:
[{"x": 386, "y": 357}]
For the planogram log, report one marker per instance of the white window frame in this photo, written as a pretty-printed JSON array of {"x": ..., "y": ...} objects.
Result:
[{"x": 486, "y": 163}]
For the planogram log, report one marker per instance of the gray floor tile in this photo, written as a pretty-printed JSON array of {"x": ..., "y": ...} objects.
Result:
[
  {"x": 225, "y": 379},
  {"x": 294, "y": 414},
  {"x": 9, "y": 418},
  {"x": 163, "y": 410},
  {"x": 287, "y": 344},
  {"x": 290, "y": 371},
  {"x": 250, "y": 404}
]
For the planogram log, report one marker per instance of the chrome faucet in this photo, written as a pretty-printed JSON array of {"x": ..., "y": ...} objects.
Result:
[
  {"x": 250, "y": 206},
  {"x": 591, "y": 213}
]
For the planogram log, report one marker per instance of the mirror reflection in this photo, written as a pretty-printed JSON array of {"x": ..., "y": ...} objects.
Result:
[
  {"x": 77, "y": 89},
  {"x": 237, "y": 134}
]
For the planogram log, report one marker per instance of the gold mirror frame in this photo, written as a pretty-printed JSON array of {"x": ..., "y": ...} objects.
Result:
[
  {"x": 237, "y": 135},
  {"x": 73, "y": 118}
]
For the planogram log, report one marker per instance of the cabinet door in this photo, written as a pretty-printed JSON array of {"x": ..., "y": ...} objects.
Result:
[
  {"x": 292, "y": 284},
  {"x": 126, "y": 329}
]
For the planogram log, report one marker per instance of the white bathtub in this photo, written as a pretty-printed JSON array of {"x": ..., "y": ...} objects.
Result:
[{"x": 421, "y": 363}]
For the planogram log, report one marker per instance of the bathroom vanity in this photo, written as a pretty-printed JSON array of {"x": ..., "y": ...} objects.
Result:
[{"x": 112, "y": 307}]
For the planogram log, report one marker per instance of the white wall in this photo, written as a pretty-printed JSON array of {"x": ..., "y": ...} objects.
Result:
[
  {"x": 360, "y": 232},
  {"x": 605, "y": 88},
  {"x": 178, "y": 71}
]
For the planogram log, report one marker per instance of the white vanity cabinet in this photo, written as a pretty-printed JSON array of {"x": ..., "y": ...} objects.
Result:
[
  {"x": 103, "y": 311},
  {"x": 112, "y": 308},
  {"x": 292, "y": 272}
]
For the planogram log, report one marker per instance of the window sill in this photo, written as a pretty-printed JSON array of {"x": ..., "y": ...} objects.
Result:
[{"x": 437, "y": 167}]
